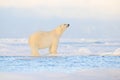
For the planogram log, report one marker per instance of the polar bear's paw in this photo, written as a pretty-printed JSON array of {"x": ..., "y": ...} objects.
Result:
[{"x": 52, "y": 55}]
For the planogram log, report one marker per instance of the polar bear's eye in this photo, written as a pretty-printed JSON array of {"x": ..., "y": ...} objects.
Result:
[{"x": 64, "y": 24}]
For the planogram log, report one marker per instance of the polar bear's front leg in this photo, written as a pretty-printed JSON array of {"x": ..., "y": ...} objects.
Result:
[
  {"x": 53, "y": 48},
  {"x": 35, "y": 52}
]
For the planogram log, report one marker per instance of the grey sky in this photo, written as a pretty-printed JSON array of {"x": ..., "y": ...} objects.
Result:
[{"x": 88, "y": 18}]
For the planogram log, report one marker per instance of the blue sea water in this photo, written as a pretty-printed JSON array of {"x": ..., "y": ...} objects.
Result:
[
  {"x": 59, "y": 63},
  {"x": 73, "y": 55}
]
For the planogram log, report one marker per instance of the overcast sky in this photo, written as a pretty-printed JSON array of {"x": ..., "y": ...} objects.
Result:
[{"x": 88, "y": 18}]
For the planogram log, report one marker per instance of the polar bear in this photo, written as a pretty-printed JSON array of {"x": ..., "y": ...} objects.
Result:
[{"x": 50, "y": 39}]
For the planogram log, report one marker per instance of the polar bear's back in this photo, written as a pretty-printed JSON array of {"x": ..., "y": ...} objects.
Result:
[{"x": 41, "y": 39}]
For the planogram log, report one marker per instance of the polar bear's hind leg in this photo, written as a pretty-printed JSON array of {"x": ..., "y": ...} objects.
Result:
[{"x": 35, "y": 52}]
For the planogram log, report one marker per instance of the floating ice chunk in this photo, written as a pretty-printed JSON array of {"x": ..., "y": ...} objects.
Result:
[
  {"x": 116, "y": 52},
  {"x": 105, "y": 54},
  {"x": 4, "y": 50},
  {"x": 84, "y": 51}
]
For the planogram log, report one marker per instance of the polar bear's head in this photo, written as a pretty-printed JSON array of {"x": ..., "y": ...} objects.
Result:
[
  {"x": 60, "y": 29},
  {"x": 63, "y": 27}
]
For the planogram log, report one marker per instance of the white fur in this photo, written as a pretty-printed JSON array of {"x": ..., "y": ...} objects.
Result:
[{"x": 48, "y": 39}]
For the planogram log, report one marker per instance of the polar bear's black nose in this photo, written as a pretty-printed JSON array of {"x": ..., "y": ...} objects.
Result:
[{"x": 68, "y": 25}]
